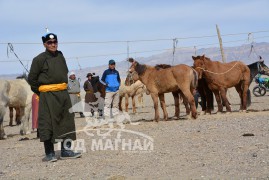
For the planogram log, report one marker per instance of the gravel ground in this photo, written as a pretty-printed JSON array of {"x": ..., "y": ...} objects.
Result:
[{"x": 217, "y": 146}]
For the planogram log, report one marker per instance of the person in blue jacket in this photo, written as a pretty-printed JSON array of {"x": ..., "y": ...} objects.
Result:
[{"x": 111, "y": 78}]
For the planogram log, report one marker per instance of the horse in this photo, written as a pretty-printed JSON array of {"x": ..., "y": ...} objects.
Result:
[
  {"x": 176, "y": 94},
  {"x": 20, "y": 96},
  {"x": 207, "y": 95},
  {"x": 131, "y": 88},
  {"x": 99, "y": 89},
  {"x": 17, "y": 109},
  {"x": 257, "y": 67},
  {"x": 136, "y": 88},
  {"x": 180, "y": 77},
  {"x": 221, "y": 76},
  {"x": 207, "y": 99},
  {"x": 4, "y": 101}
]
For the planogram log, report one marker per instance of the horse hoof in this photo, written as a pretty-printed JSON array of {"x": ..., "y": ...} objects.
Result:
[
  {"x": 175, "y": 117},
  {"x": 3, "y": 137},
  {"x": 21, "y": 132}
]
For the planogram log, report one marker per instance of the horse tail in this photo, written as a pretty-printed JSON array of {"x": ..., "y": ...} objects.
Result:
[{"x": 194, "y": 82}]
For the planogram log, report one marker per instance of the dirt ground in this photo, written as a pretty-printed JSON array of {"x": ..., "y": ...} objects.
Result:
[{"x": 217, "y": 146}]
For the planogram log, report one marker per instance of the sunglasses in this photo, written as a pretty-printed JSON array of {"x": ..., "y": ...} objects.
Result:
[{"x": 51, "y": 42}]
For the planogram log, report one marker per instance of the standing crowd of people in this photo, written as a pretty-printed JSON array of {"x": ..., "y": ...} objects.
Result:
[{"x": 56, "y": 92}]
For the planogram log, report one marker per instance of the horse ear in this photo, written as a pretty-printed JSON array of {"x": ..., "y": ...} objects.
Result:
[
  {"x": 193, "y": 57},
  {"x": 131, "y": 60}
]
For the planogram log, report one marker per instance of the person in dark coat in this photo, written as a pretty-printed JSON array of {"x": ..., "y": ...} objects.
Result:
[
  {"x": 48, "y": 79},
  {"x": 89, "y": 96}
]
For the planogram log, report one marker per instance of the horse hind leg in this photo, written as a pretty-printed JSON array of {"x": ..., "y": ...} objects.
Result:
[
  {"x": 10, "y": 116},
  {"x": 18, "y": 116},
  {"x": 176, "y": 101},
  {"x": 218, "y": 99},
  {"x": 133, "y": 103},
  {"x": 2, "y": 131},
  {"x": 225, "y": 100},
  {"x": 189, "y": 96},
  {"x": 162, "y": 101}
]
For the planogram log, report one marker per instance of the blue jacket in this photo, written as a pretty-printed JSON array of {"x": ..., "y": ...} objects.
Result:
[{"x": 112, "y": 78}]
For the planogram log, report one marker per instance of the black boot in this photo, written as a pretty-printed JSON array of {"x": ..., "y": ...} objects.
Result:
[
  {"x": 37, "y": 133},
  {"x": 49, "y": 150},
  {"x": 66, "y": 153},
  {"x": 82, "y": 115}
]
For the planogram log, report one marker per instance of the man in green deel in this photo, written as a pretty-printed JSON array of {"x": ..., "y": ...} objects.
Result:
[{"x": 48, "y": 78}]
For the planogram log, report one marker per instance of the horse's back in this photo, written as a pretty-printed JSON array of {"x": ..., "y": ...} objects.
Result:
[{"x": 20, "y": 93}]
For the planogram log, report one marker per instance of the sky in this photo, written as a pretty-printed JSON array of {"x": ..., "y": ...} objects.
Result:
[{"x": 91, "y": 32}]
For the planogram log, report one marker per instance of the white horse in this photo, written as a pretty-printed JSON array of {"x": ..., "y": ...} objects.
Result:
[
  {"x": 20, "y": 96},
  {"x": 4, "y": 101}
]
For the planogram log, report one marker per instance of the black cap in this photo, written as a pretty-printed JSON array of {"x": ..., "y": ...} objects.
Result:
[
  {"x": 90, "y": 74},
  {"x": 111, "y": 61},
  {"x": 49, "y": 36}
]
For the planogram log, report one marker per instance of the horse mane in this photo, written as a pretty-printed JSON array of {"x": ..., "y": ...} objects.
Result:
[
  {"x": 140, "y": 68},
  {"x": 162, "y": 66}
]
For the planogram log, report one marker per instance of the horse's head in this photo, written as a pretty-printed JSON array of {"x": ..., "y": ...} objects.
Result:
[
  {"x": 199, "y": 64},
  {"x": 263, "y": 68},
  {"x": 136, "y": 67},
  {"x": 23, "y": 76},
  {"x": 129, "y": 79}
]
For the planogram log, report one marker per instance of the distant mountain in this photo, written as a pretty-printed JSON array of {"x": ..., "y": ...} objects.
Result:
[{"x": 183, "y": 56}]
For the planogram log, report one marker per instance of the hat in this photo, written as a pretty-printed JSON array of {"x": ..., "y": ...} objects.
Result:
[
  {"x": 49, "y": 36},
  {"x": 89, "y": 74},
  {"x": 72, "y": 73},
  {"x": 111, "y": 62}
]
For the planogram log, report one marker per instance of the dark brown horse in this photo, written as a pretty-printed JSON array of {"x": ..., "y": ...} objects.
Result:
[
  {"x": 180, "y": 77},
  {"x": 98, "y": 87},
  {"x": 221, "y": 76}
]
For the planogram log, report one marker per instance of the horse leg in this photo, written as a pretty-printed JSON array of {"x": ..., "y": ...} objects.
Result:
[
  {"x": 133, "y": 103},
  {"x": 240, "y": 92},
  {"x": 162, "y": 101},
  {"x": 244, "y": 94},
  {"x": 186, "y": 103},
  {"x": 209, "y": 101},
  {"x": 126, "y": 102},
  {"x": 218, "y": 99},
  {"x": 120, "y": 101},
  {"x": 189, "y": 96},
  {"x": 225, "y": 100},
  {"x": 2, "y": 131},
  {"x": 25, "y": 119},
  {"x": 176, "y": 100},
  {"x": 10, "y": 116},
  {"x": 156, "y": 107},
  {"x": 18, "y": 116}
]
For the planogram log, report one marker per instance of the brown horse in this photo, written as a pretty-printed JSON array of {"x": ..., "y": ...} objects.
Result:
[
  {"x": 176, "y": 94},
  {"x": 180, "y": 77},
  {"x": 221, "y": 76}
]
